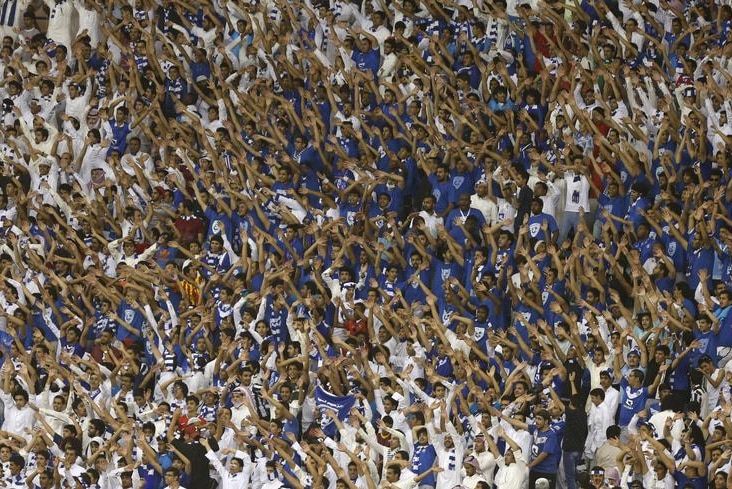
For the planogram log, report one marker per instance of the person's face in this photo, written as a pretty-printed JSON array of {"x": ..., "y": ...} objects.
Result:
[
  {"x": 707, "y": 368},
  {"x": 634, "y": 380},
  {"x": 720, "y": 481},
  {"x": 126, "y": 382},
  {"x": 20, "y": 402},
  {"x": 599, "y": 356},
  {"x": 703, "y": 324},
  {"x": 126, "y": 481},
  {"x": 70, "y": 455},
  {"x": 659, "y": 356},
  {"x": 535, "y": 208},
  {"x": 643, "y": 231},
  {"x": 428, "y": 204},
  {"x": 134, "y": 146},
  {"x": 139, "y": 400},
  {"x": 170, "y": 478},
  {"x": 612, "y": 190},
  {"x": 235, "y": 467},
  {"x": 81, "y": 410},
  {"x": 383, "y": 201},
  {"x": 441, "y": 174},
  {"x": 598, "y": 480},
  {"x": 72, "y": 336},
  {"x": 39, "y": 138}
]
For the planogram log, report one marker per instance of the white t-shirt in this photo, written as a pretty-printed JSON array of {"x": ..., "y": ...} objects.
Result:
[
  {"x": 578, "y": 192},
  {"x": 505, "y": 211},
  {"x": 650, "y": 481},
  {"x": 511, "y": 476},
  {"x": 486, "y": 207},
  {"x": 713, "y": 392}
]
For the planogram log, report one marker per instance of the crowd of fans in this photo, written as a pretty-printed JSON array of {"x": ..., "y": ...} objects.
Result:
[{"x": 376, "y": 244}]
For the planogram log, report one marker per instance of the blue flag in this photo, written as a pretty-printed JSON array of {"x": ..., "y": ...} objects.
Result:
[{"x": 342, "y": 405}]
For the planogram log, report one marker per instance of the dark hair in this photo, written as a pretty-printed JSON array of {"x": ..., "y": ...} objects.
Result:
[
  {"x": 639, "y": 373},
  {"x": 98, "y": 425},
  {"x": 598, "y": 392},
  {"x": 612, "y": 432},
  {"x": 182, "y": 385},
  {"x": 396, "y": 468}
]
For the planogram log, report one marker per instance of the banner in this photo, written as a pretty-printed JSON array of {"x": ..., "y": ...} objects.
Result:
[{"x": 325, "y": 401}]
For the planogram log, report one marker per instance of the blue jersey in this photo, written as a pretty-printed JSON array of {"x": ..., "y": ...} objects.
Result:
[
  {"x": 546, "y": 442},
  {"x": 702, "y": 258},
  {"x": 133, "y": 318},
  {"x": 276, "y": 320},
  {"x": 535, "y": 226},
  {"x": 442, "y": 272},
  {"x": 724, "y": 338},
  {"x": 119, "y": 136},
  {"x": 423, "y": 459},
  {"x": 443, "y": 192},
  {"x": 632, "y": 401}
]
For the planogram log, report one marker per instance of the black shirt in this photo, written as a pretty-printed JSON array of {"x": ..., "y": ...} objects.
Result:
[
  {"x": 575, "y": 433},
  {"x": 199, "y": 463}
]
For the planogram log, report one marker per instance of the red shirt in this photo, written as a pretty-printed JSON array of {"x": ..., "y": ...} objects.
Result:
[{"x": 189, "y": 228}]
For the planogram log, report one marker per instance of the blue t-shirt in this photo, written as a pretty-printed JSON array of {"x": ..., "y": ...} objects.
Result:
[
  {"x": 423, "y": 459},
  {"x": 702, "y": 258},
  {"x": 679, "y": 377},
  {"x": 443, "y": 192},
  {"x": 133, "y": 318},
  {"x": 545, "y": 442},
  {"x": 535, "y": 223},
  {"x": 632, "y": 401},
  {"x": 617, "y": 206},
  {"x": 724, "y": 337}
]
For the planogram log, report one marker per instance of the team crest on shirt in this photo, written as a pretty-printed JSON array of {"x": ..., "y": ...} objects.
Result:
[
  {"x": 458, "y": 181},
  {"x": 534, "y": 229},
  {"x": 274, "y": 324}
]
